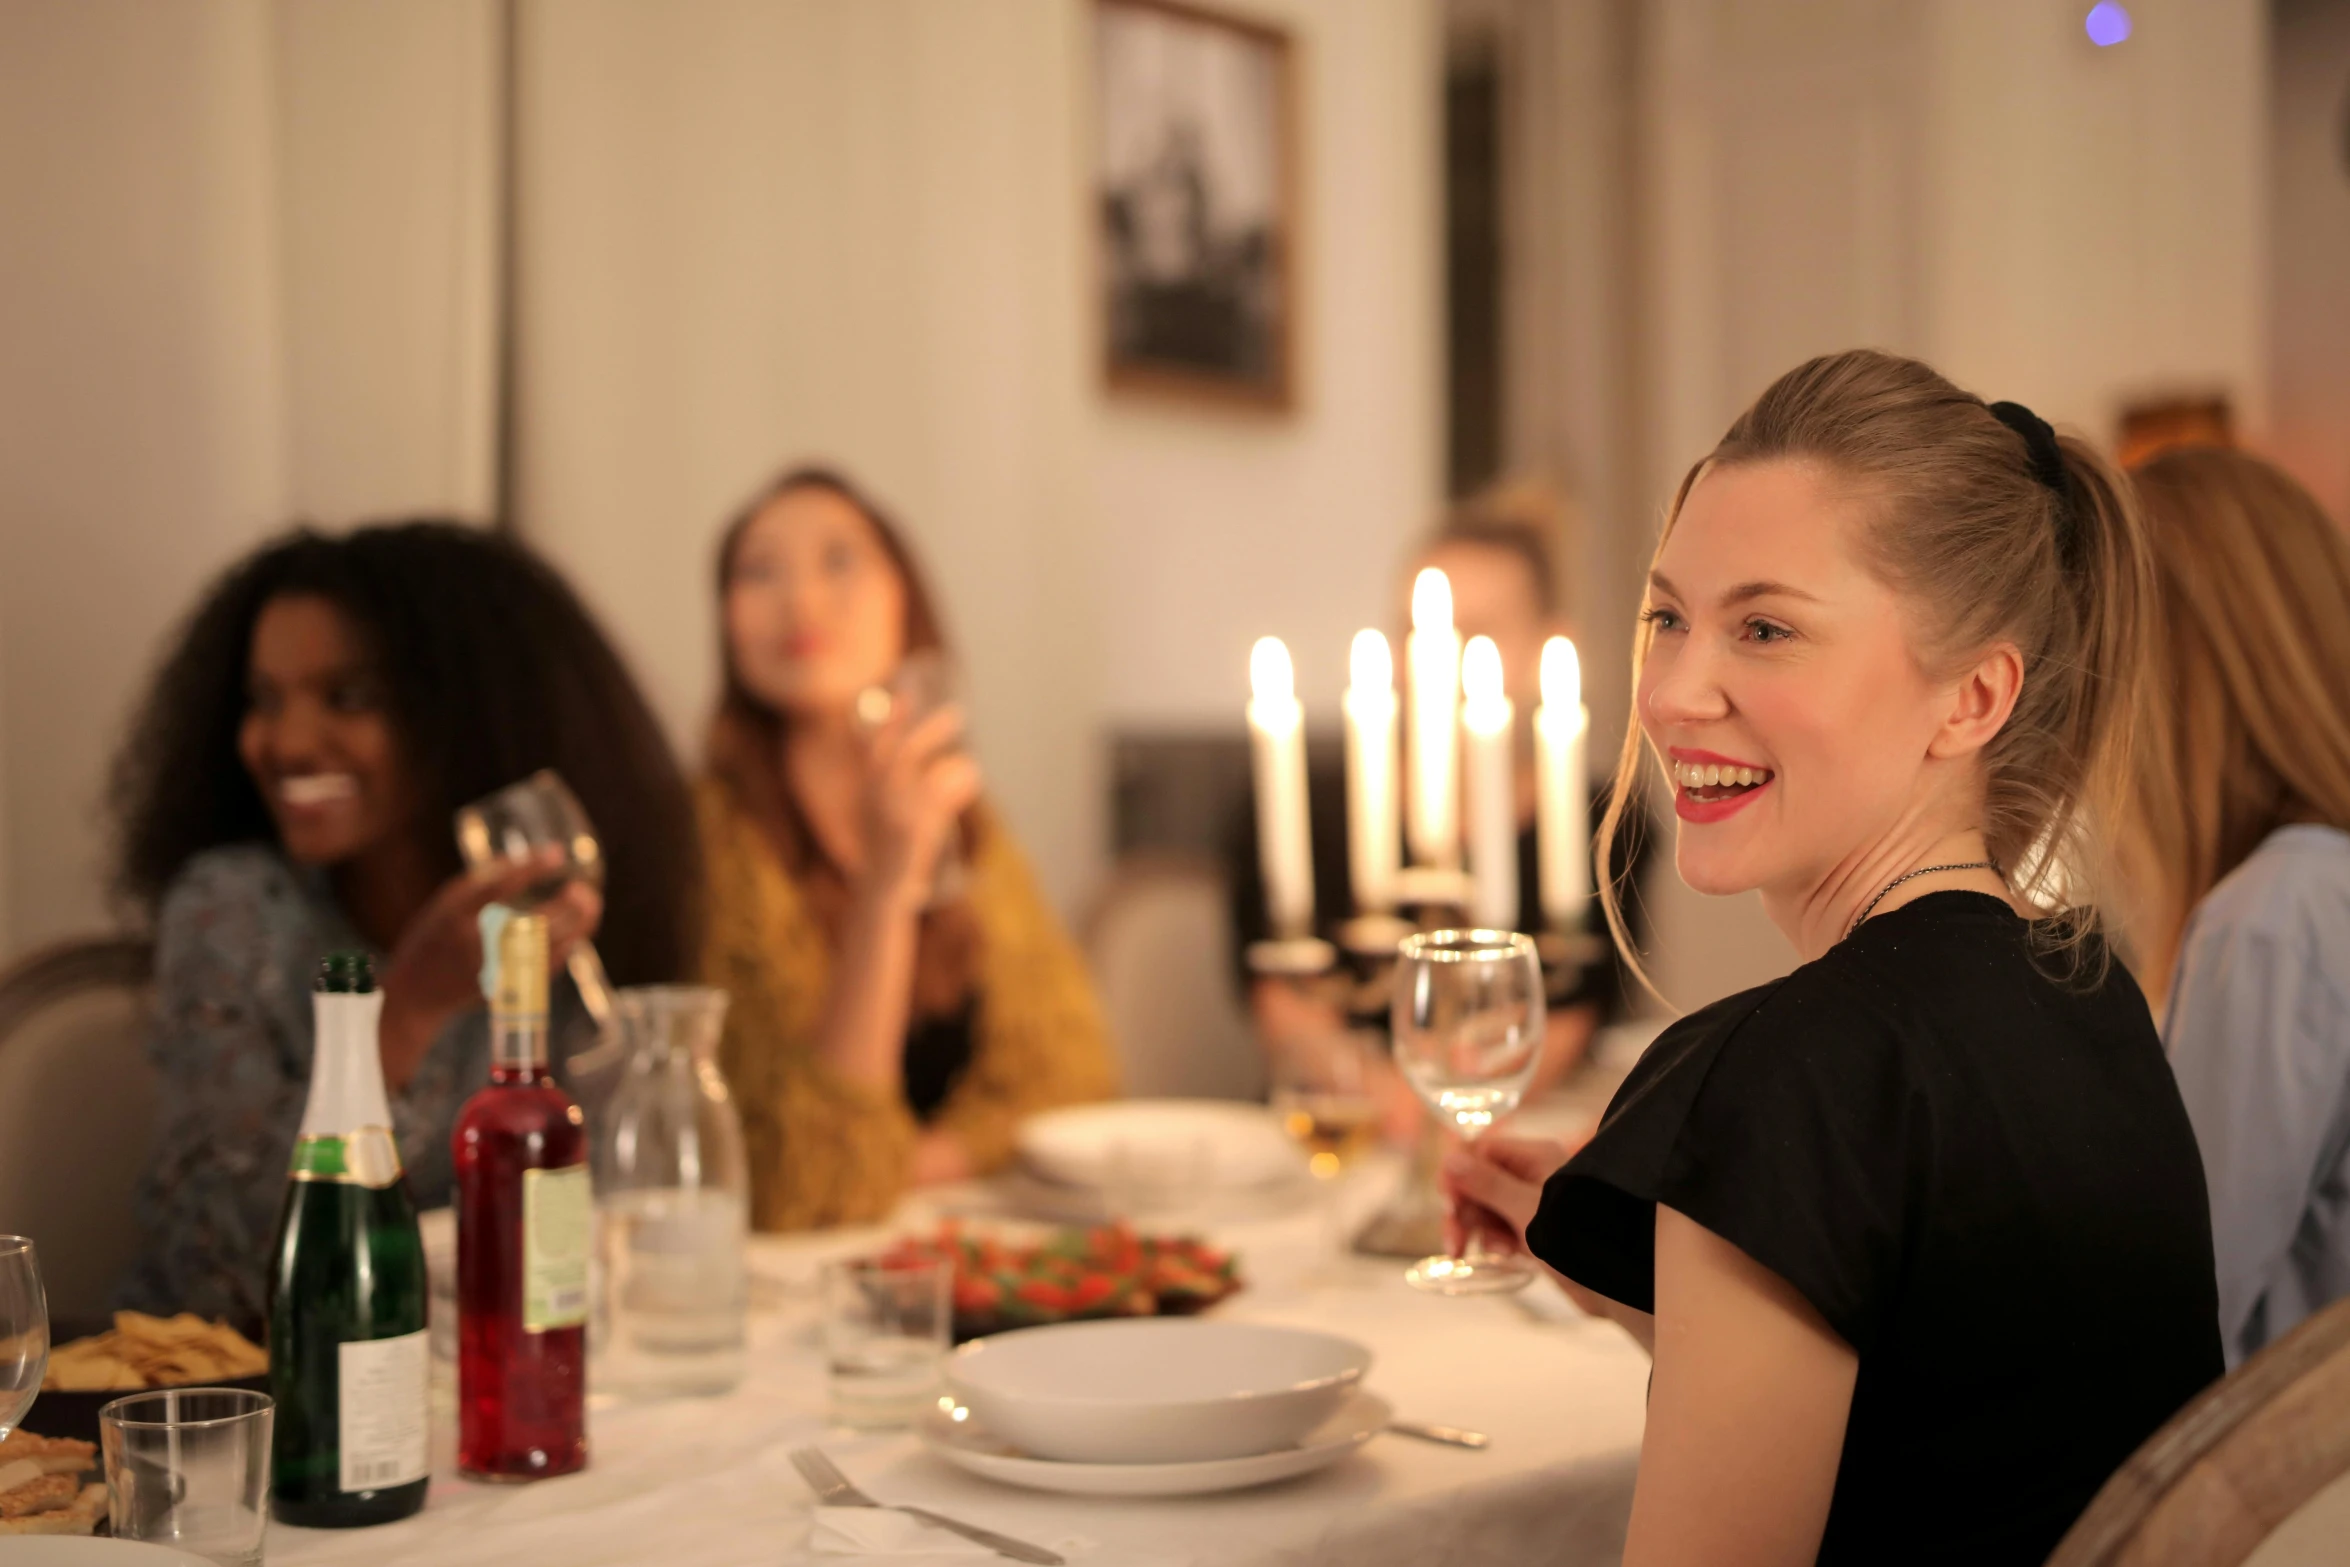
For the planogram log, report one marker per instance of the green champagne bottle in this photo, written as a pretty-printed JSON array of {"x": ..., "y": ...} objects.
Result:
[{"x": 349, "y": 1357}]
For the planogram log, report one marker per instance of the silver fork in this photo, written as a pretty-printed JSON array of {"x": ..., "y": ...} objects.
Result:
[{"x": 835, "y": 1490}]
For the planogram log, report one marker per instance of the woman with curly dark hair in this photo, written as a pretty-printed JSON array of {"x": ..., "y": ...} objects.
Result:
[{"x": 288, "y": 790}]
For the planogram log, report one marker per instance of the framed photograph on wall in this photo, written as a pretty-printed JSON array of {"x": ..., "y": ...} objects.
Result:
[{"x": 1197, "y": 164}]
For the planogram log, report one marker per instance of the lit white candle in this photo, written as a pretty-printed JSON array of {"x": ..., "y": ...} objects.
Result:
[
  {"x": 1372, "y": 822},
  {"x": 1277, "y": 731},
  {"x": 1432, "y": 658},
  {"x": 1486, "y": 722},
  {"x": 1562, "y": 820}
]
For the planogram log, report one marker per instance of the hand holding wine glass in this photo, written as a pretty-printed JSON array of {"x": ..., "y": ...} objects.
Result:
[
  {"x": 434, "y": 972},
  {"x": 539, "y": 822},
  {"x": 1496, "y": 1184},
  {"x": 1467, "y": 1019}
]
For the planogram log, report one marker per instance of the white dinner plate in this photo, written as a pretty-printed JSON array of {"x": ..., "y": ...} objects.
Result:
[
  {"x": 1178, "y": 1144},
  {"x": 968, "y": 1445},
  {"x": 77, "y": 1550}
]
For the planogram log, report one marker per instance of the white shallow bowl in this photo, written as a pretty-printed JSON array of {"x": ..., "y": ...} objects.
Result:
[
  {"x": 1171, "y": 1144},
  {"x": 968, "y": 1444},
  {"x": 1155, "y": 1390}
]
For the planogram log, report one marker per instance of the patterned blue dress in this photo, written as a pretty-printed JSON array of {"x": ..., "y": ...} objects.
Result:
[{"x": 239, "y": 937}]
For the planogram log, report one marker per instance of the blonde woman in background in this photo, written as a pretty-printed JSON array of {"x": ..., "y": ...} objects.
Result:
[
  {"x": 890, "y": 1026},
  {"x": 2239, "y": 853}
]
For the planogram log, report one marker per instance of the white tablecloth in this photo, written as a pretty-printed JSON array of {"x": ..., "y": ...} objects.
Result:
[{"x": 708, "y": 1482}]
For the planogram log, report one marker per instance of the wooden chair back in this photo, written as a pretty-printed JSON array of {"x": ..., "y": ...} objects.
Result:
[
  {"x": 2234, "y": 1466},
  {"x": 77, "y": 1111}
]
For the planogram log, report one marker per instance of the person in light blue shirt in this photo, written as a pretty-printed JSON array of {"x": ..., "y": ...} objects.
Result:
[
  {"x": 2238, "y": 860},
  {"x": 2259, "y": 1036}
]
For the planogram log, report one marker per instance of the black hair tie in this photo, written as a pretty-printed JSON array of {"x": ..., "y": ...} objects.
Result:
[
  {"x": 2039, "y": 441},
  {"x": 2047, "y": 462}
]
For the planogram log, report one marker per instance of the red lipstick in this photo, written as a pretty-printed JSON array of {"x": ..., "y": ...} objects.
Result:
[{"x": 1705, "y": 803}]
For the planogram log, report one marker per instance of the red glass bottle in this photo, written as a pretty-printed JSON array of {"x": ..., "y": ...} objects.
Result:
[{"x": 523, "y": 1235}]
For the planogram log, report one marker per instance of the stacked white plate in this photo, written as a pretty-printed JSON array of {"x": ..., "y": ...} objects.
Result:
[
  {"x": 58, "y": 1550},
  {"x": 1153, "y": 1406},
  {"x": 1139, "y": 1155}
]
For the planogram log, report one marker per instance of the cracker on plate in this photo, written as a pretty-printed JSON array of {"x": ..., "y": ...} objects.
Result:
[
  {"x": 79, "y": 1515},
  {"x": 144, "y": 1351},
  {"x": 62, "y": 1455}
]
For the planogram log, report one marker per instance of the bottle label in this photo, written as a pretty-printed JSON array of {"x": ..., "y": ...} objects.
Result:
[
  {"x": 558, "y": 1220},
  {"x": 367, "y": 1156},
  {"x": 383, "y": 1399}
]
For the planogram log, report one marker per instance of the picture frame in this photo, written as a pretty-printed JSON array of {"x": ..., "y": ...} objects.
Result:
[{"x": 1196, "y": 204}]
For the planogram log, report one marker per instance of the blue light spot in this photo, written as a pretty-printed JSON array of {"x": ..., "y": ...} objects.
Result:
[{"x": 2109, "y": 23}]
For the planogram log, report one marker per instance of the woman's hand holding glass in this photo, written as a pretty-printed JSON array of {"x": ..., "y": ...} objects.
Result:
[
  {"x": 434, "y": 973},
  {"x": 918, "y": 783},
  {"x": 1495, "y": 1185}
]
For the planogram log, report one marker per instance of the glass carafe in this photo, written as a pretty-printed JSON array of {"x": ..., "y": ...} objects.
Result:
[{"x": 674, "y": 1193}]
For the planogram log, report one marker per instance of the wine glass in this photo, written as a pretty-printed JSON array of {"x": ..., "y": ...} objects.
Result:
[
  {"x": 24, "y": 1330},
  {"x": 923, "y": 683},
  {"x": 1467, "y": 1017},
  {"x": 522, "y": 819}
]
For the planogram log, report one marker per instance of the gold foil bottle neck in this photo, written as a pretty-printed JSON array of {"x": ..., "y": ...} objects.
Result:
[{"x": 522, "y": 968}]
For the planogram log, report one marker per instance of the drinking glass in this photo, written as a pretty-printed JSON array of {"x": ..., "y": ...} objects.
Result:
[
  {"x": 522, "y": 819},
  {"x": 1467, "y": 1018},
  {"x": 923, "y": 683},
  {"x": 189, "y": 1467},
  {"x": 886, "y": 1325},
  {"x": 24, "y": 1330},
  {"x": 1322, "y": 1097}
]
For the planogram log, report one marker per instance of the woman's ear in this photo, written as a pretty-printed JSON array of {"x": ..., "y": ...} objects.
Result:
[{"x": 1980, "y": 701}]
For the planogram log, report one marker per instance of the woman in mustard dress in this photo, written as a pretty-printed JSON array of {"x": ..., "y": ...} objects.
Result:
[{"x": 902, "y": 993}]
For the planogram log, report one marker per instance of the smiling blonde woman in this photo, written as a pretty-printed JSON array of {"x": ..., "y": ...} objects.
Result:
[{"x": 1917, "y": 1234}]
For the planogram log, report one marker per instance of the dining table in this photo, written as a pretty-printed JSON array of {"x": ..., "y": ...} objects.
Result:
[{"x": 709, "y": 1481}]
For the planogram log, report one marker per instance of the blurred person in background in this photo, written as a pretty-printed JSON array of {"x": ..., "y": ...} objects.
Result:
[
  {"x": 903, "y": 994},
  {"x": 1500, "y": 551},
  {"x": 2239, "y": 862},
  {"x": 288, "y": 791},
  {"x": 1917, "y": 1234}
]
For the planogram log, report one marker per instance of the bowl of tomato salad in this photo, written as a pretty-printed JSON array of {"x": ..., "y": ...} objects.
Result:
[{"x": 1072, "y": 1275}]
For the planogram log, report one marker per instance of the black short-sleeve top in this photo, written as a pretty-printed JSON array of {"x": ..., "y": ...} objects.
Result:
[{"x": 1982, "y": 1178}]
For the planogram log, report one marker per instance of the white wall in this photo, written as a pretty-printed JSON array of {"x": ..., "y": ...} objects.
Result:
[
  {"x": 141, "y": 397},
  {"x": 2098, "y": 219},
  {"x": 2309, "y": 319},
  {"x": 760, "y": 232},
  {"x": 387, "y": 203},
  {"x": 188, "y": 365},
  {"x": 1219, "y": 527},
  {"x": 753, "y": 234}
]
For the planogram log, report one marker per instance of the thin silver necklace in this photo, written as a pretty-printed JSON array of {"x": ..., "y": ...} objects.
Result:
[{"x": 1924, "y": 870}]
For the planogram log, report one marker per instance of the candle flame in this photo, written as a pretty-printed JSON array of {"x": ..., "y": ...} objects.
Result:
[
  {"x": 1431, "y": 601},
  {"x": 1370, "y": 666},
  {"x": 1481, "y": 672},
  {"x": 1562, "y": 676},
  {"x": 1270, "y": 677}
]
